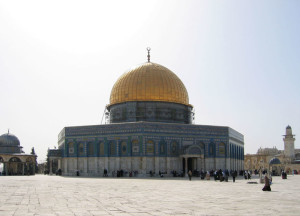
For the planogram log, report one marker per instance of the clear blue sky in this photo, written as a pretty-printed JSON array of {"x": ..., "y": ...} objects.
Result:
[{"x": 239, "y": 61}]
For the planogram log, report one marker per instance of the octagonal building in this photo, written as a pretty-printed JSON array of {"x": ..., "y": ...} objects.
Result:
[{"x": 150, "y": 130}]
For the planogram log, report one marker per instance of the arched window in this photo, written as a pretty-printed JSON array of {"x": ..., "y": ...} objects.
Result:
[
  {"x": 101, "y": 148},
  {"x": 15, "y": 159},
  {"x": 124, "y": 148},
  {"x": 135, "y": 146},
  {"x": 150, "y": 147},
  {"x": 173, "y": 147},
  {"x": 212, "y": 149},
  {"x": 71, "y": 147},
  {"x": 1, "y": 160},
  {"x": 90, "y": 149},
  {"x": 81, "y": 149},
  {"x": 162, "y": 147},
  {"x": 202, "y": 146},
  {"x": 222, "y": 149}
]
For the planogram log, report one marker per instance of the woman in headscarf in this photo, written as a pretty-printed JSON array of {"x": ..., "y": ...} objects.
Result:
[{"x": 267, "y": 184}]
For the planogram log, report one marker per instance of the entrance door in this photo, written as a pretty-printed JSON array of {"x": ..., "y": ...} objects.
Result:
[{"x": 190, "y": 164}]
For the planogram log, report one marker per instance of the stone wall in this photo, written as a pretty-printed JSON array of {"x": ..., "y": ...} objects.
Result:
[{"x": 94, "y": 166}]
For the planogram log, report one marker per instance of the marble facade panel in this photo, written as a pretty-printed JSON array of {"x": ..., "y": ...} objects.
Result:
[
  {"x": 91, "y": 165},
  {"x": 101, "y": 165},
  {"x": 80, "y": 164},
  {"x": 163, "y": 164},
  {"x": 125, "y": 163},
  {"x": 136, "y": 164},
  {"x": 95, "y": 166},
  {"x": 112, "y": 164},
  {"x": 150, "y": 164}
]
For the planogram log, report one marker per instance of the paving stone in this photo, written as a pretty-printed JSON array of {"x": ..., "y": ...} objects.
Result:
[{"x": 65, "y": 196}]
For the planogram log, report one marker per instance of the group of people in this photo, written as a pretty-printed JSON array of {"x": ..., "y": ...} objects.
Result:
[
  {"x": 160, "y": 173},
  {"x": 120, "y": 173},
  {"x": 219, "y": 175},
  {"x": 177, "y": 174},
  {"x": 283, "y": 175},
  {"x": 247, "y": 174},
  {"x": 268, "y": 180}
]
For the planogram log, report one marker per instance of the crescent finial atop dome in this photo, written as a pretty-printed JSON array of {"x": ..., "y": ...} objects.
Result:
[{"x": 148, "y": 49}]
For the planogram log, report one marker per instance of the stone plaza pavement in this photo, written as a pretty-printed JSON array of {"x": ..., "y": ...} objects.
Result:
[{"x": 55, "y": 195}]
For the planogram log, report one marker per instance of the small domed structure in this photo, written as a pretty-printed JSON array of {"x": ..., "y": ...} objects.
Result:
[
  {"x": 9, "y": 140},
  {"x": 274, "y": 161},
  {"x": 9, "y": 143}
]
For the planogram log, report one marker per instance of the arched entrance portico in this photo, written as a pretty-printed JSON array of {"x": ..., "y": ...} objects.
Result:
[
  {"x": 193, "y": 163},
  {"x": 192, "y": 159},
  {"x": 17, "y": 164}
]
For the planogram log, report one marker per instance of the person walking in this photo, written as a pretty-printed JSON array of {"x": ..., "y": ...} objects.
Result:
[
  {"x": 190, "y": 175},
  {"x": 233, "y": 176},
  {"x": 267, "y": 184}
]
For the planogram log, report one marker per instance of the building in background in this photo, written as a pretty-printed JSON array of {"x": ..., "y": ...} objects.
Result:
[
  {"x": 14, "y": 160},
  {"x": 276, "y": 160},
  {"x": 149, "y": 130}
]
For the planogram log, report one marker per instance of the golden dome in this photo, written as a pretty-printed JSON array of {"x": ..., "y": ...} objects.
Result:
[{"x": 149, "y": 82}]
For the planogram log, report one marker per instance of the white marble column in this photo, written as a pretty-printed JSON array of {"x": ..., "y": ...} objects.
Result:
[
  {"x": 129, "y": 163},
  {"x": 65, "y": 163},
  {"x": 58, "y": 163},
  {"x": 76, "y": 167},
  {"x": 168, "y": 165},
  {"x": 96, "y": 165},
  {"x": 156, "y": 165},
  {"x": 85, "y": 165},
  {"x": 118, "y": 163},
  {"x": 50, "y": 171},
  {"x": 23, "y": 168},
  {"x": 106, "y": 165},
  {"x": 144, "y": 165}
]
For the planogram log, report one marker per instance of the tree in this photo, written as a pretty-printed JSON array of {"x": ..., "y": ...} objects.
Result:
[
  {"x": 36, "y": 164},
  {"x": 32, "y": 151}
]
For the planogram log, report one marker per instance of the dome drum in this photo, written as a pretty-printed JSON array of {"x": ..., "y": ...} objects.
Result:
[{"x": 151, "y": 111}]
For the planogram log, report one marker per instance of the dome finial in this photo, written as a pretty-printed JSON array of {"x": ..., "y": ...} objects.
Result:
[
  {"x": 8, "y": 131},
  {"x": 148, "y": 49}
]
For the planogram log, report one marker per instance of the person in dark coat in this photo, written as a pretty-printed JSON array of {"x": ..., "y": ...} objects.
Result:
[
  {"x": 267, "y": 184},
  {"x": 190, "y": 175}
]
